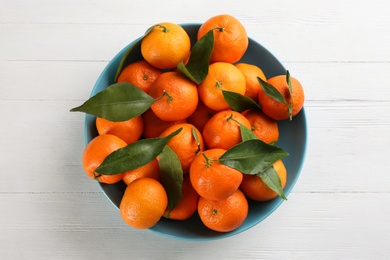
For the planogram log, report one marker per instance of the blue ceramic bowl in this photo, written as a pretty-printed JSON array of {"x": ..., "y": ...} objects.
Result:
[{"x": 293, "y": 139}]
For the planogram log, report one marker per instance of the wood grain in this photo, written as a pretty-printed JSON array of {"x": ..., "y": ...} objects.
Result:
[{"x": 51, "y": 53}]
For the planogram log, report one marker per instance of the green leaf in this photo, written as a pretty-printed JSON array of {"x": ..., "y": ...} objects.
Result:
[
  {"x": 271, "y": 178},
  {"x": 252, "y": 156},
  {"x": 118, "y": 102},
  {"x": 288, "y": 80},
  {"x": 239, "y": 102},
  {"x": 196, "y": 137},
  {"x": 271, "y": 91},
  {"x": 171, "y": 176},
  {"x": 182, "y": 68},
  {"x": 134, "y": 155},
  {"x": 246, "y": 133},
  {"x": 290, "y": 106},
  {"x": 124, "y": 58},
  {"x": 150, "y": 29},
  {"x": 197, "y": 67}
]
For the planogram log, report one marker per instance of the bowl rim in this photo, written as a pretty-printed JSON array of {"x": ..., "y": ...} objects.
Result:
[{"x": 276, "y": 205}]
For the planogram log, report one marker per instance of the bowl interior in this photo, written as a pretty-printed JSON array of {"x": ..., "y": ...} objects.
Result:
[{"x": 293, "y": 139}]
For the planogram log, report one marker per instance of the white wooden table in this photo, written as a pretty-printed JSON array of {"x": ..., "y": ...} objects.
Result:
[{"x": 51, "y": 53}]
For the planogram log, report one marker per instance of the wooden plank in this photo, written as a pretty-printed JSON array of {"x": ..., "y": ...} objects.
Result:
[
  {"x": 48, "y": 80},
  {"x": 323, "y": 13},
  {"x": 71, "y": 42},
  {"x": 97, "y": 42},
  {"x": 51, "y": 53},
  {"x": 41, "y": 147},
  {"x": 347, "y": 147},
  {"x": 80, "y": 226}
]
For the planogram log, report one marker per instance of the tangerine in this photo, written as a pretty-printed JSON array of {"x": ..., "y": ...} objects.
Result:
[
  {"x": 223, "y": 129},
  {"x": 166, "y": 45},
  {"x": 140, "y": 74},
  {"x": 143, "y": 203},
  {"x": 201, "y": 115},
  {"x": 151, "y": 170},
  {"x": 184, "y": 144},
  {"x": 254, "y": 187},
  {"x": 278, "y": 110},
  {"x": 251, "y": 72},
  {"x": 264, "y": 127},
  {"x": 230, "y": 38},
  {"x": 212, "y": 179},
  {"x": 96, "y": 151},
  {"x": 129, "y": 130},
  {"x": 188, "y": 203},
  {"x": 176, "y": 96},
  {"x": 224, "y": 215},
  {"x": 221, "y": 76},
  {"x": 154, "y": 126}
]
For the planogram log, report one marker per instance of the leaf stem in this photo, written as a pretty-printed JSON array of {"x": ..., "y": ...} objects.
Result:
[{"x": 290, "y": 106}]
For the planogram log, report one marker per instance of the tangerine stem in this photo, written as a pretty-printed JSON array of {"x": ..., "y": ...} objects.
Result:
[
  {"x": 218, "y": 84},
  {"x": 208, "y": 160},
  {"x": 170, "y": 98},
  {"x": 96, "y": 175},
  {"x": 221, "y": 29},
  {"x": 165, "y": 29},
  {"x": 208, "y": 164},
  {"x": 165, "y": 93},
  {"x": 231, "y": 118}
]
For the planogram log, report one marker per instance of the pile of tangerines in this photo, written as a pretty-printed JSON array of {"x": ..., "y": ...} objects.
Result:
[{"x": 207, "y": 125}]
